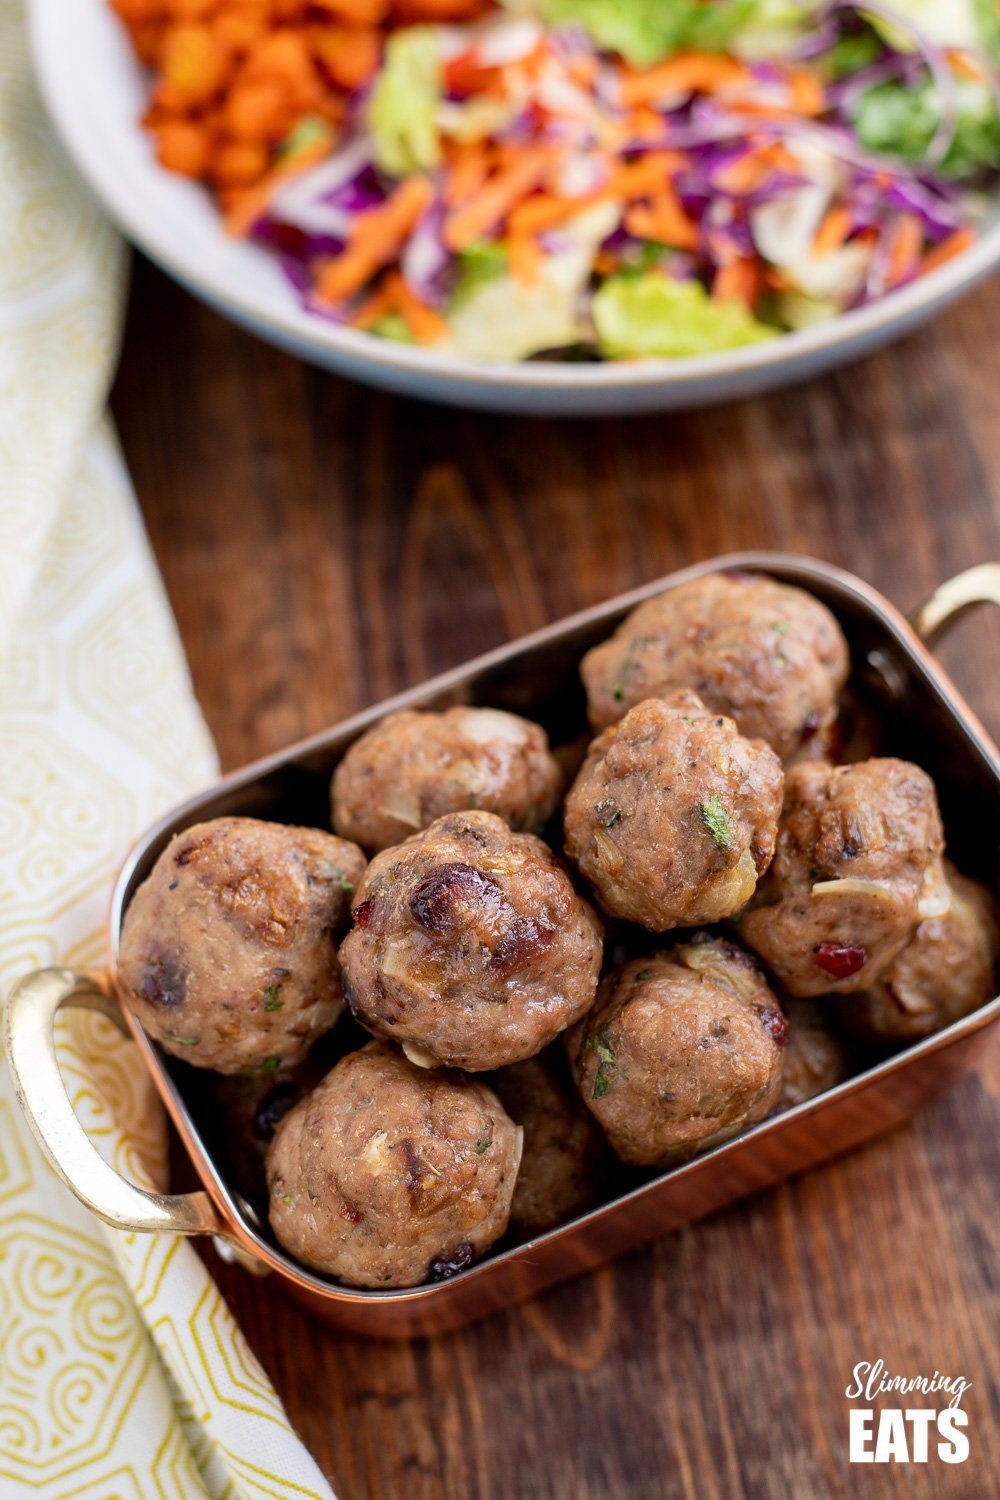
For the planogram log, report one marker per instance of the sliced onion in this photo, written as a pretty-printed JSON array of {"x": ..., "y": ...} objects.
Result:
[
  {"x": 608, "y": 853},
  {"x": 865, "y": 889},
  {"x": 734, "y": 977},
  {"x": 419, "y": 1056},
  {"x": 486, "y": 725}
]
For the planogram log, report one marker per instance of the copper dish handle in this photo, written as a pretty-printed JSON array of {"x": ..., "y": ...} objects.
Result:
[
  {"x": 32, "y": 1008},
  {"x": 978, "y": 585}
]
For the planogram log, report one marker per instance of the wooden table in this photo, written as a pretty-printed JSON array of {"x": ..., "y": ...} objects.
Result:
[{"x": 323, "y": 545}]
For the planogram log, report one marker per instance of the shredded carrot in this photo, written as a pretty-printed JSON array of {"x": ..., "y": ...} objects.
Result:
[
  {"x": 965, "y": 64},
  {"x": 638, "y": 179},
  {"x": 954, "y": 245},
  {"x": 373, "y": 308},
  {"x": 426, "y": 325},
  {"x": 752, "y": 170},
  {"x": 542, "y": 211},
  {"x": 244, "y": 209},
  {"x": 606, "y": 264},
  {"x": 663, "y": 219},
  {"x": 904, "y": 255},
  {"x": 687, "y": 73},
  {"x": 646, "y": 123},
  {"x": 470, "y": 170},
  {"x": 375, "y": 238},
  {"x": 738, "y": 281},
  {"x": 495, "y": 199},
  {"x": 808, "y": 94},
  {"x": 832, "y": 232},
  {"x": 524, "y": 256},
  {"x": 582, "y": 69}
]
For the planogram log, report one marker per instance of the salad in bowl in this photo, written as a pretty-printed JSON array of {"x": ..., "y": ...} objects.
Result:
[{"x": 583, "y": 179}]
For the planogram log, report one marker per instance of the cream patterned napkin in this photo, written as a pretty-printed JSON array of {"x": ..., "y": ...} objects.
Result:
[{"x": 122, "y": 1373}]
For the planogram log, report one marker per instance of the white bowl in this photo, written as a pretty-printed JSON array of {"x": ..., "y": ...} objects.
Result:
[{"x": 95, "y": 91}]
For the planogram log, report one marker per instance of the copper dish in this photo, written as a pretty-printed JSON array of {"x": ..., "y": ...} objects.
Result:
[{"x": 925, "y": 718}]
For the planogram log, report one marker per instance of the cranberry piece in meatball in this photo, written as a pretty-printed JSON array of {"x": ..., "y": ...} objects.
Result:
[
  {"x": 857, "y": 867},
  {"x": 229, "y": 949},
  {"x": 415, "y": 767},
  {"x": 768, "y": 655},
  {"x": 816, "y": 1058},
  {"x": 681, "y": 1051},
  {"x": 470, "y": 946},
  {"x": 946, "y": 972},
  {"x": 564, "y": 1167},
  {"x": 674, "y": 814},
  {"x": 386, "y": 1174}
]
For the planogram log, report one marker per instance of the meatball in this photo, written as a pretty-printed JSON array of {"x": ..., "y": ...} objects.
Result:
[
  {"x": 682, "y": 1051},
  {"x": 387, "y": 1175},
  {"x": 770, "y": 656},
  {"x": 470, "y": 946},
  {"x": 415, "y": 767},
  {"x": 858, "y": 865},
  {"x": 229, "y": 949},
  {"x": 816, "y": 1059},
  {"x": 946, "y": 972},
  {"x": 564, "y": 1168},
  {"x": 674, "y": 814}
]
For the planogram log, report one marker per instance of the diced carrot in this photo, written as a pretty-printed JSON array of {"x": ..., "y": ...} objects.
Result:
[
  {"x": 195, "y": 66},
  {"x": 426, "y": 325},
  {"x": 954, "y": 245},
  {"x": 239, "y": 163},
  {"x": 184, "y": 146},
  {"x": 192, "y": 10},
  {"x": 239, "y": 28},
  {"x": 376, "y": 237},
  {"x": 738, "y": 281},
  {"x": 904, "y": 253},
  {"x": 687, "y": 73},
  {"x": 495, "y": 199},
  {"x": 347, "y": 54},
  {"x": 259, "y": 109},
  {"x": 832, "y": 232},
  {"x": 524, "y": 256},
  {"x": 440, "y": 10},
  {"x": 360, "y": 13},
  {"x": 284, "y": 57},
  {"x": 663, "y": 219}
]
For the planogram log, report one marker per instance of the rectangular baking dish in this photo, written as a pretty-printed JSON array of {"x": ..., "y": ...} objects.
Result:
[{"x": 926, "y": 720}]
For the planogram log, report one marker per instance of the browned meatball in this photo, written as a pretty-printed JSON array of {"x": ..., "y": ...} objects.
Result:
[
  {"x": 229, "y": 949},
  {"x": 816, "y": 1059},
  {"x": 946, "y": 972},
  {"x": 858, "y": 865},
  {"x": 564, "y": 1168},
  {"x": 770, "y": 656},
  {"x": 387, "y": 1175},
  {"x": 681, "y": 1051},
  {"x": 674, "y": 814},
  {"x": 415, "y": 767},
  {"x": 470, "y": 946}
]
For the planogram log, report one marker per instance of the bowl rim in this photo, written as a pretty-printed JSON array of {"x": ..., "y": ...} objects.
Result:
[
  {"x": 292, "y": 325},
  {"x": 792, "y": 568}
]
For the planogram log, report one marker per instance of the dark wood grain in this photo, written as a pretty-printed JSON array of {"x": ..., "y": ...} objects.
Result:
[{"x": 323, "y": 545}]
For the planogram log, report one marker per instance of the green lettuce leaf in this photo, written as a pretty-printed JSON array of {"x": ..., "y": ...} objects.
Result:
[
  {"x": 654, "y": 316},
  {"x": 644, "y": 31},
  {"x": 403, "y": 109},
  {"x": 901, "y": 122}
]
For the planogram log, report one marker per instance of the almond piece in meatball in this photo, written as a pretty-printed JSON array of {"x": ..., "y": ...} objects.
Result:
[
  {"x": 228, "y": 951},
  {"x": 674, "y": 814},
  {"x": 857, "y": 867},
  {"x": 470, "y": 946},
  {"x": 387, "y": 1175},
  {"x": 681, "y": 1051},
  {"x": 946, "y": 972},
  {"x": 816, "y": 1058},
  {"x": 768, "y": 655},
  {"x": 415, "y": 767},
  {"x": 564, "y": 1167}
]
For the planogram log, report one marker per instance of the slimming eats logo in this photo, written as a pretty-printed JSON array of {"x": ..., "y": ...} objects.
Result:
[{"x": 909, "y": 1433}]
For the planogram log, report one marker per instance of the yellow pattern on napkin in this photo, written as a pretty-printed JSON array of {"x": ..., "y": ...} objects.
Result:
[{"x": 122, "y": 1373}]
